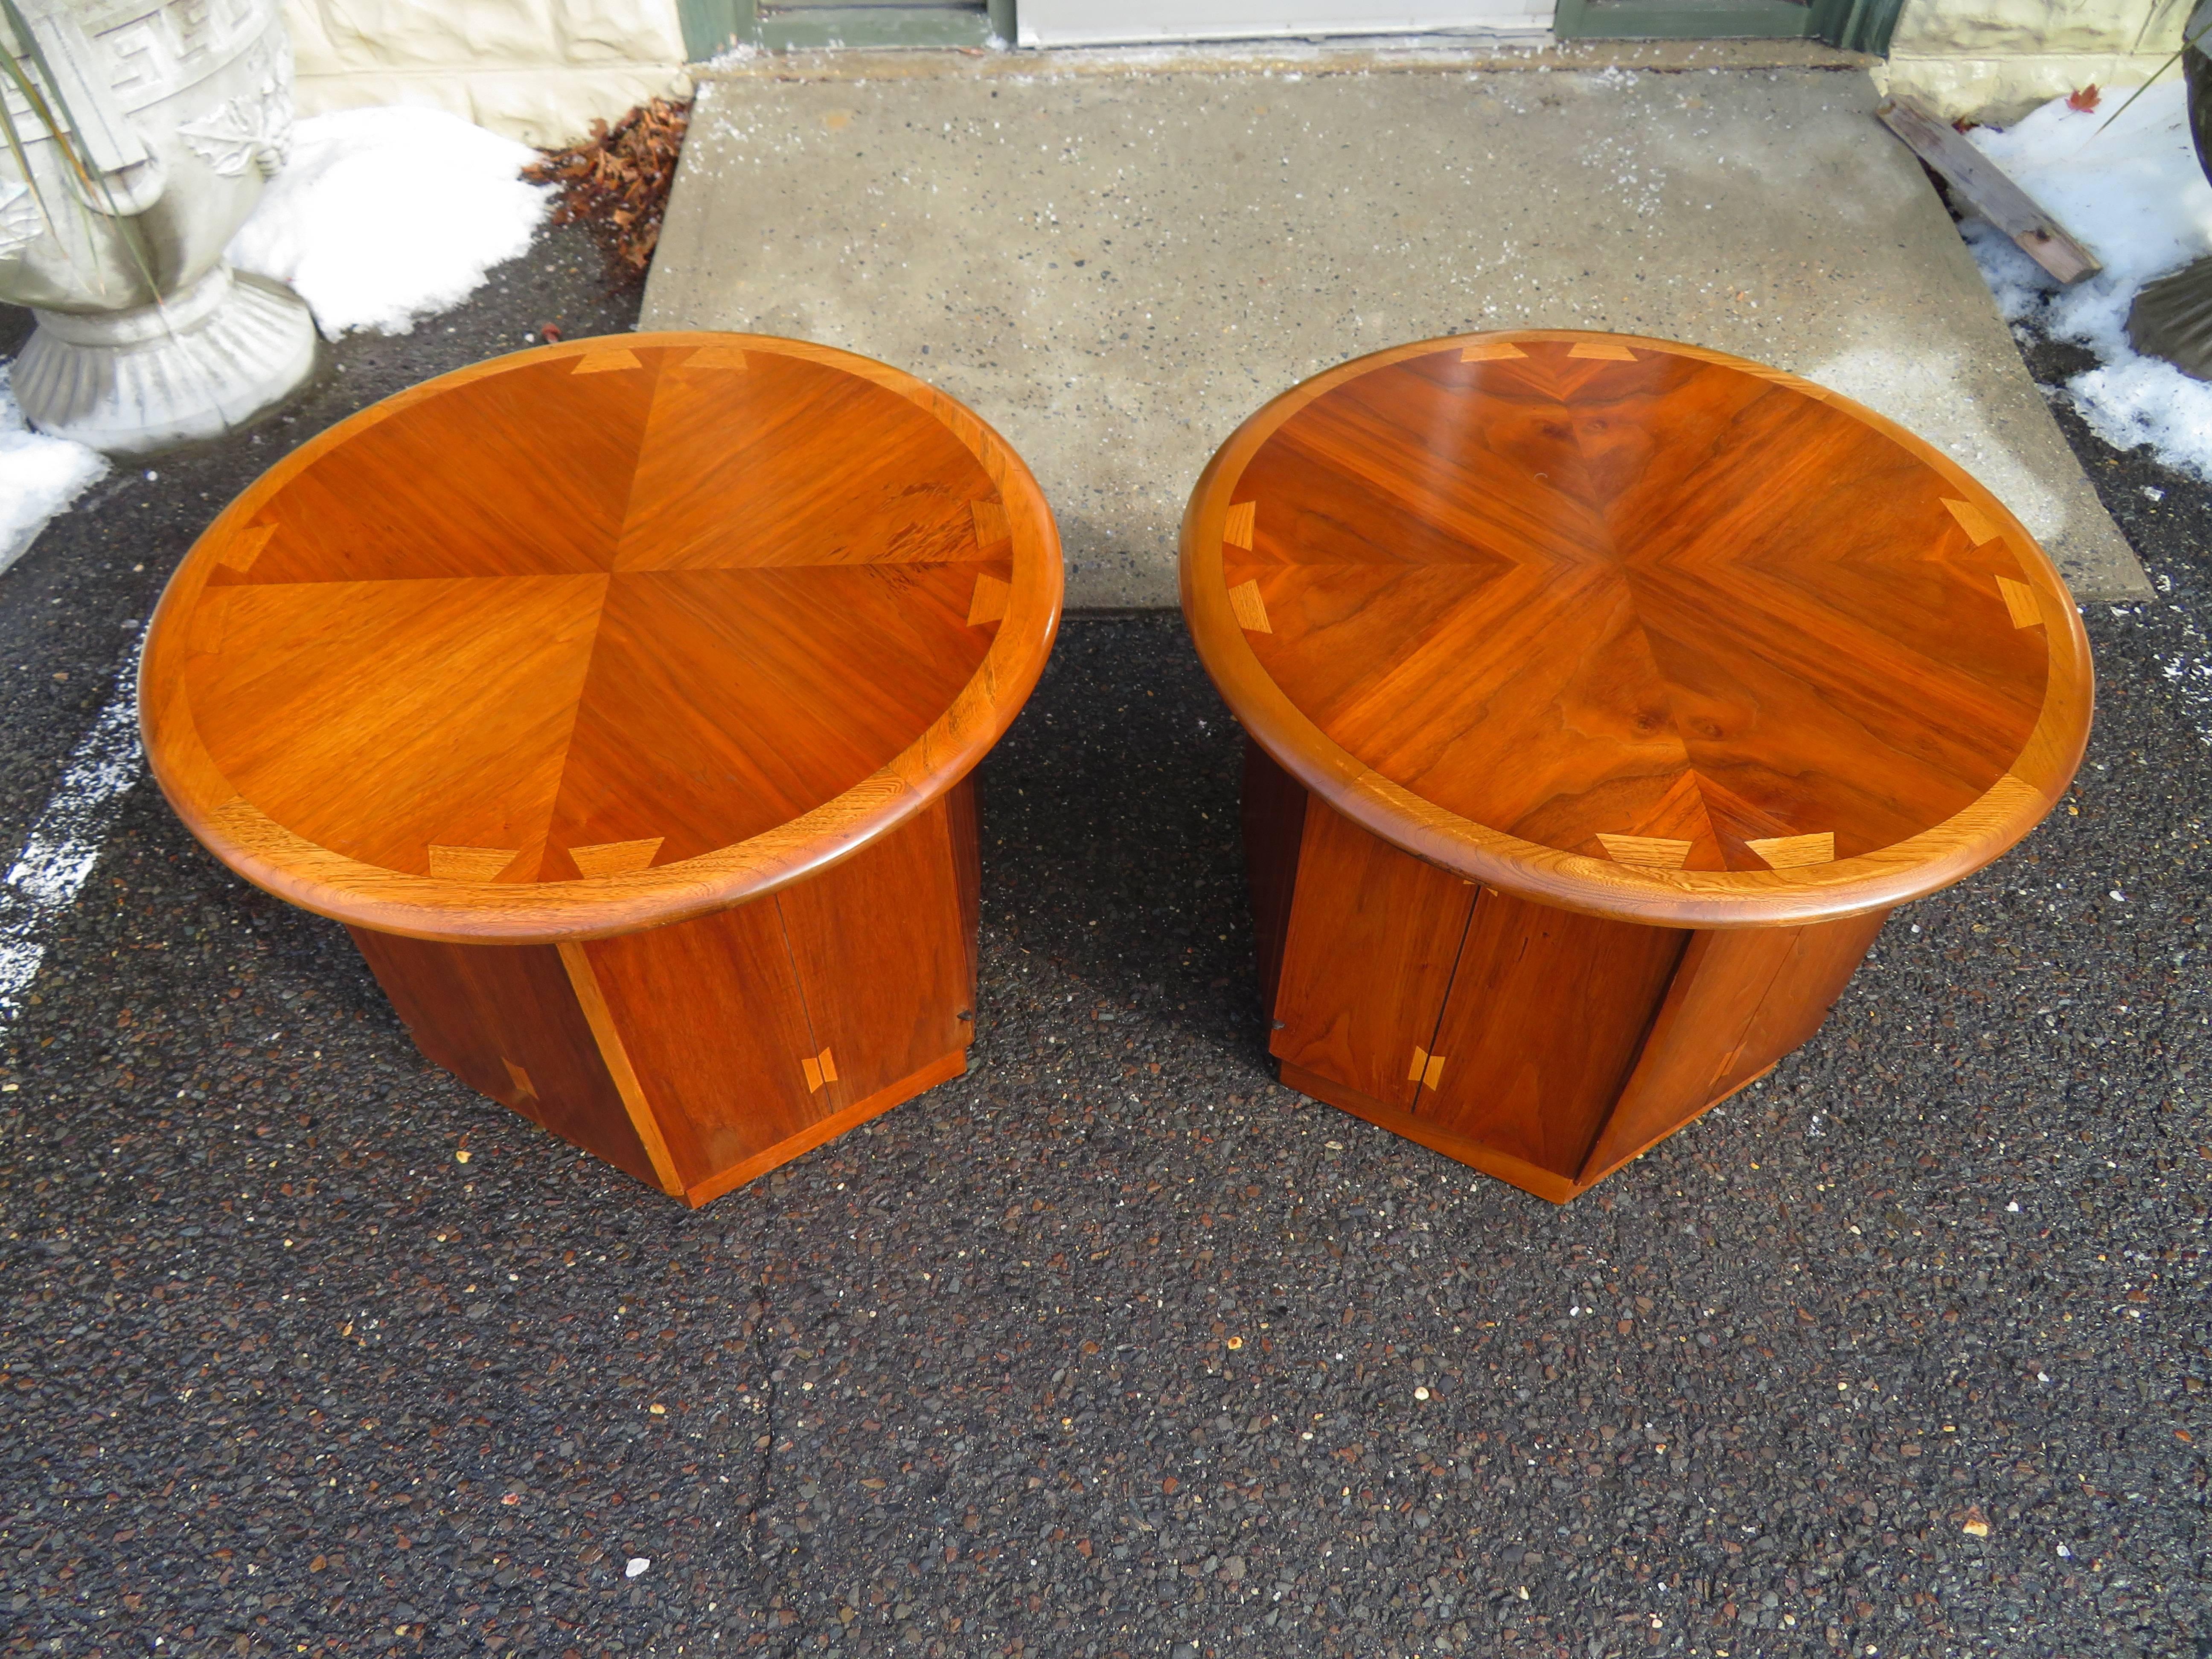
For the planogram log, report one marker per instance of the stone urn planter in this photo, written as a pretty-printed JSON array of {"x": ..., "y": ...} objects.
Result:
[
  {"x": 2172, "y": 317},
  {"x": 145, "y": 338}
]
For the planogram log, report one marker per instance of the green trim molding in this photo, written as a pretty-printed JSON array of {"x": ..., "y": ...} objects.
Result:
[
  {"x": 711, "y": 26},
  {"x": 1855, "y": 25}
]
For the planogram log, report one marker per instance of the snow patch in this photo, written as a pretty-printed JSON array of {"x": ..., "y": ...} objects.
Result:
[
  {"x": 388, "y": 215},
  {"x": 39, "y": 475},
  {"x": 2134, "y": 193}
]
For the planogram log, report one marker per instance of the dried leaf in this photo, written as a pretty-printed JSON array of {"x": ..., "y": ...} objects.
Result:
[
  {"x": 2086, "y": 98},
  {"x": 617, "y": 181}
]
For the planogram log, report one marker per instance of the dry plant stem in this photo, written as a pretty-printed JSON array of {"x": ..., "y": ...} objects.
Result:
[{"x": 617, "y": 181}]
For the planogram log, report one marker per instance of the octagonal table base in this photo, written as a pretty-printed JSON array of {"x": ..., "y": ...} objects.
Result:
[
  {"x": 1542, "y": 1047},
  {"x": 699, "y": 1055}
]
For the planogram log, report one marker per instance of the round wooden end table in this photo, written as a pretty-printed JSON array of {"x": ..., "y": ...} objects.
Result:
[
  {"x": 621, "y": 698},
  {"x": 1603, "y": 694}
]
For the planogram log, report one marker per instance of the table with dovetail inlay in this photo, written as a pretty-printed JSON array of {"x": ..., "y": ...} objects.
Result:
[
  {"x": 1602, "y": 696},
  {"x": 621, "y": 698}
]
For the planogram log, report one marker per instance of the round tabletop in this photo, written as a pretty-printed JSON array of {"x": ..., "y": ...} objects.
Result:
[
  {"x": 1635, "y": 629},
  {"x": 598, "y": 637}
]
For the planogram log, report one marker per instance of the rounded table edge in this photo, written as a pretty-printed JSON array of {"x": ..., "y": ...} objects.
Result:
[
  {"x": 360, "y": 894},
  {"x": 1937, "y": 858}
]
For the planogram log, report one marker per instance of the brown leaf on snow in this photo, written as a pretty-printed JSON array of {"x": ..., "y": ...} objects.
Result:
[{"x": 2085, "y": 97}]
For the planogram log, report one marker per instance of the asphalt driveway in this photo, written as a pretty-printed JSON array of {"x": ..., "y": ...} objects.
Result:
[{"x": 1112, "y": 1346}]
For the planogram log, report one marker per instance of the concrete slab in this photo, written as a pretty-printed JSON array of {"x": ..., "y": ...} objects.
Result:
[{"x": 1115, "y": 264}]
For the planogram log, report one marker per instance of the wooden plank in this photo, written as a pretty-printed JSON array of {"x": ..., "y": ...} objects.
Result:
[{"x": 1989, "y": 190}]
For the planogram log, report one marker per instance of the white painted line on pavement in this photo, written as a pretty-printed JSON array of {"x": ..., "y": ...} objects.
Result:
[{"x": 64, "y": 843}]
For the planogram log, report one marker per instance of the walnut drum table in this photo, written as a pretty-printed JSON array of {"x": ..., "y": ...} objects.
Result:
[
  {"x": 621, "y": 698},
  {"x": 1603, "y": 695}
]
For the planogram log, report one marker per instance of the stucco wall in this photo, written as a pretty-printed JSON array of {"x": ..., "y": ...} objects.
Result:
[
  {"x": 1996, "y": 59},
  {"x": 539, "y": 71}
]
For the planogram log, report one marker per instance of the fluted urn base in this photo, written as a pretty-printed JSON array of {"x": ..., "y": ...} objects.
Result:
[
  {"x": 211, "y": 358},
  {"x": 2172, "y": 319}
]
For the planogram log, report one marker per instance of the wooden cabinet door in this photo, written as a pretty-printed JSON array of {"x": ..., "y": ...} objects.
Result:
[
  {"x": 1367, "y": 959},
  {"x": 716, "y": 1032},
  {"x": 881, "y": 948},
  {"x": 1547, "y": 1014}
]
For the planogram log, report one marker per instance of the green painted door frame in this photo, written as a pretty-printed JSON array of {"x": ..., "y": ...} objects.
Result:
[
  {"x": 1858, "y": 24},
  {"x": 711, "y": 27}
]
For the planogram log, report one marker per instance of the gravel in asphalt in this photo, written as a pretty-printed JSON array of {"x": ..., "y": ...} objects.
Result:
[{"x": 1113, "y": 1346}]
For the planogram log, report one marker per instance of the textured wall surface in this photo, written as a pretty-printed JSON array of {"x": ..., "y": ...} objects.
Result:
[
  {"x": 1996, "y": 59},
  {"x": 539, "y": 71}
]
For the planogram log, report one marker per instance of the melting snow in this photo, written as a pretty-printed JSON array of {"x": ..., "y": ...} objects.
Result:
[
  {"x": 39, "y": 477},
  {"x": 385, "y": 215},
  {"x": 2134, "y": 193}
]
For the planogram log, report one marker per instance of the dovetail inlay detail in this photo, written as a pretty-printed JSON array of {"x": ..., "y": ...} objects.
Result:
[
  {"x": 246, "y": 547},
  {"x": 1605, "y": 351},
  {"x": 599, "y": 363},
  {"x": 989, "y": 605},
  {"x": 1238, "y": 523},
  {"x": 615, "y": 858},
  {"x": 2021, "y": 601},
  {"x": 1971, "y": 519},
  {"x": 520, "y": 1077},
  {"x": 991, "y": 527},
  {"x": 1251, "y": 613},
  {"x": 1490, "y": 352},
  {"x": 716, "y": 357},
  {"x": 1651, "y": 852},
  {"x": 1796, "y": 852},
  {"x": 470, "y": 863}
]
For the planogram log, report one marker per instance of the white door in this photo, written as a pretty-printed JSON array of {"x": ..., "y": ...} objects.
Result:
[{"x": 1130, "y": 22}]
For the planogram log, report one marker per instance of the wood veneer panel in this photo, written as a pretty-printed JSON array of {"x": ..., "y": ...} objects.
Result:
[
  {"x": 671, "y": 740},
  {"x": 435, "y": 709},
  {"x": 1542, "y": 607},
  {"x": 1547, "y": 1012},
  {"x": 881, "y": 948},
  {"x": 504, "y": 1020},
  {"x": 711, "y": 1018},
  {"x": 1738, "y": 1003},
  {"x": 1274, "y": 807},
  {"x": 1367, "y": 959},
  {"x": 516, "y": 473}
]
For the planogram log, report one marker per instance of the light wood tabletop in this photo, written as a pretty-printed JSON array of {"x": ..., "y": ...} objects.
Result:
[{"x": 1636, "y": 629}]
